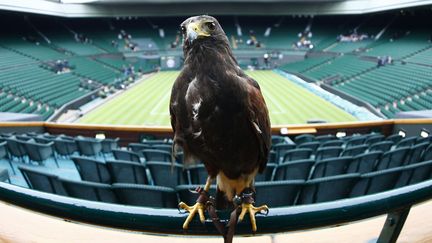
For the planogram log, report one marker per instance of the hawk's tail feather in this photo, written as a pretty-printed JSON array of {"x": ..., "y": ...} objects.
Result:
[{"x": 179, "y": 146}]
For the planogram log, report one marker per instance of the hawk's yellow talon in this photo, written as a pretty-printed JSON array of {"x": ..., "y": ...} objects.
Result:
[
  {"x": 198, "y": 207},
  {"x": 249, "y": 208}
]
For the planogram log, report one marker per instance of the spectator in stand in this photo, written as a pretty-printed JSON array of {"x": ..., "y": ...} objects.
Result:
[
  {"x": 380, "y": 62},
  {"x": 389, "y": 60},
  {"x": 59, "y": 66}
]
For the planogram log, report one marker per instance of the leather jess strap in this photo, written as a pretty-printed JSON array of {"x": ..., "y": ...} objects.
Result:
[
  {"x": 227, "y": 231},
  {"x": 208, "y": 201}
]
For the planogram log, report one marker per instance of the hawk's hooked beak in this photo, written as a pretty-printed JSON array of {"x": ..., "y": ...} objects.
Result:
[{"x": 194, "y": 31}]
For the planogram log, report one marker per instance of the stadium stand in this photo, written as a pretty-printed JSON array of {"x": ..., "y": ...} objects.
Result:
[
  {"x": 10, "y": 58},
  {"x": 36, "y": 90},
  {"x": 389, "y": 80},
  {"x": 88, "y": 180},
  {"x": 307, "y": 64},
  {"x": 422, "y": 57},
  {"x": 92, "y": 70},
  {"x": 323, "y": 68},
  {"x": 339, "y": 173},
  {"x": 391, "y": 88},
  {"x": 311, "y": 175},
  {"x": 99, "y": 55},
  {"x": 31, "y": 48},
  {"x": 30, "y": 77}
]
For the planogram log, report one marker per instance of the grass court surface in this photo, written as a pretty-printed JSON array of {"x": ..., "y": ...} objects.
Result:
[{"x": 147, "y": 103}]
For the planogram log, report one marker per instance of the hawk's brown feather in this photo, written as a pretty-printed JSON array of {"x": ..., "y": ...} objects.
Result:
[{"x": 218, "y": 113}]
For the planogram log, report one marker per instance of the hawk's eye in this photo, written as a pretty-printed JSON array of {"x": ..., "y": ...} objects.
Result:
[
  {"x": 211, "y": 26},
  {"x": 183, "y": 29}
]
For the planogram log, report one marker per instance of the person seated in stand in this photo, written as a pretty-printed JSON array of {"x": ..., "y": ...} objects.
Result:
[
  {"x": 389, "y": 60},
  {"x": 380, "y": 62}
]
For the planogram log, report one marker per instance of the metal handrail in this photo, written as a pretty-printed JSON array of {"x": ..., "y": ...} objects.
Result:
[{"x": 169, "y": 221}]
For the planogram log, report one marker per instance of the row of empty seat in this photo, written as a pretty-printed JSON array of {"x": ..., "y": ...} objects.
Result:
[
  {"x": 343, "y": 66},
  {"x": 290, "y": 192},
  {"x": 392, "y": 88},
  {"x": 401, "y": 86},
  {"x": 27, "y": 55},
  {"x": 144, "y": 174}
]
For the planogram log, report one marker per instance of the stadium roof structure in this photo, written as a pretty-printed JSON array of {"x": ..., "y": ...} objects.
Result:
[{"x": 119, "y": 8}]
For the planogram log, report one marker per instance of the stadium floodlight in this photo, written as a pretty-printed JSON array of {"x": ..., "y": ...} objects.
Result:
[
  {"x": 424, "y": 133},
  {"x": 402, "y": 132},
  {"x": 100, "y": 136},
  {"x": 340, "y": 134}
]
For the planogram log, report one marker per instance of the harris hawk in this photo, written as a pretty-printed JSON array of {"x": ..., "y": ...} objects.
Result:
[{"x": 219, "y": 117}]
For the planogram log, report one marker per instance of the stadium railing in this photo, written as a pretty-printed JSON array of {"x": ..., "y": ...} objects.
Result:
[
  {"x": 130, "y": 134},
  {"x": 395, "y": 203}
]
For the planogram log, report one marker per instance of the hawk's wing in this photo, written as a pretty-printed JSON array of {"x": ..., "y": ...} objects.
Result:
[
  {"x": 260, "y": 121},
  {"x": 176, "y": 108}
]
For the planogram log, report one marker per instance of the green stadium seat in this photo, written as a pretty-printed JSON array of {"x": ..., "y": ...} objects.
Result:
[
  {"x": 145, "y": 195},
  {"x": 286, "y": 190},
  {"x": 327, "y": 188},
  {"x": 331, "y": 167},
  {"x": 293, "y": 170},
  {"x": 127, "y": 172},
  {"x": 90, "y": 191},
  {"x": 92, "y": 170}
]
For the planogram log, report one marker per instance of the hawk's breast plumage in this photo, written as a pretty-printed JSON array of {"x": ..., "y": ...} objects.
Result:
[{"x": 218, "y": 113}]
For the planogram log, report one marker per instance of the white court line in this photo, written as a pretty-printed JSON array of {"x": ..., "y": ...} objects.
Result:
[
  {"x": 154, "y": 111},
  {"x": 280, "y": 110}
]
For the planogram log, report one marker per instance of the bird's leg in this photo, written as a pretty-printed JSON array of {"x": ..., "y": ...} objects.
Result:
[
  {"x": 199, "y": 205},
  {"x": 247, "y": 201}
]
